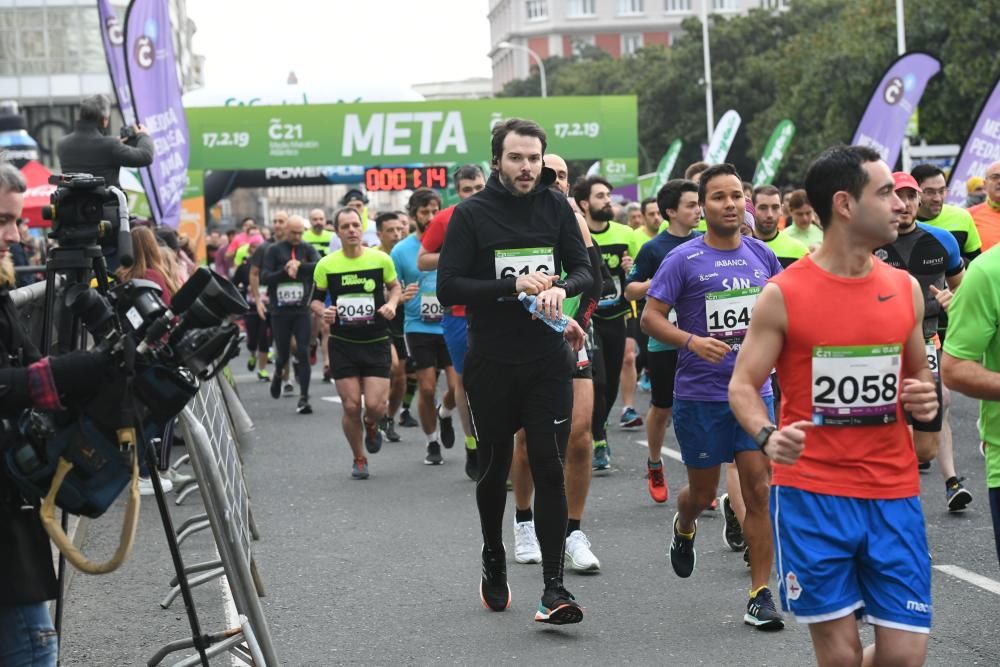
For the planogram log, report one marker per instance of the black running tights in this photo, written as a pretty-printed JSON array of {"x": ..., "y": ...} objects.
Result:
[
  {"x": 285, "y": 326},
  {"x": 545, "y": 456},
  {"x": 611, "y": 340}
]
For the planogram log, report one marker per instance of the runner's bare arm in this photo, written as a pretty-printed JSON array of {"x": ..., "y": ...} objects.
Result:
[
  {"x": 757, "y": 356},
  {"x": 918, "y": 394},
  {"x": 655, "y": 324},
  {"x": 426, "y": 260},
  {"x": 637, "y": 290}
]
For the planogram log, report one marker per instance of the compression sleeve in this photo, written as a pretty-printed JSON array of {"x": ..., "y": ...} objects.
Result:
[
  {"x": 590, "y": 297},
  {"x": 454, "y": 286}
]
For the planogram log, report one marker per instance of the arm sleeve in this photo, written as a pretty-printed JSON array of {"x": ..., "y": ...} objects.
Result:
[
  {"x": 590, "y": 297},
  {"x": 458, "y": 256},
  {"x": 271, "y": 270},
  {"x": 140, "y": 155},
  {"x": 312, "y": 259},
  {"x": 573, "y": 253}
]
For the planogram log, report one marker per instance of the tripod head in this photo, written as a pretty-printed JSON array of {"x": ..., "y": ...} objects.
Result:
[{"x": 77, "y": 212}]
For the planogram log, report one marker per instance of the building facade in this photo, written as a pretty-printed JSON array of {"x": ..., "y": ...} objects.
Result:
[
  {"x": 51, "y": 55},
  {"x": 618, "y": 27}
]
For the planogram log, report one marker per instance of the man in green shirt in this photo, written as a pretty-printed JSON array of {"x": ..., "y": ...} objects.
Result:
[
  {"x": 767, "y": 205},
  {"x": 802, "y": 228},
  {"x": 318, "y": 236},
  {"x": 651, "y": 222},
  {"x": 970, "y": 362},
  {"x": 933, "y": 211}
]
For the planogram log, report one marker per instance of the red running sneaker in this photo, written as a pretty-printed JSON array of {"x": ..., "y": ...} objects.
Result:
[{"x": 657, "y": 484}]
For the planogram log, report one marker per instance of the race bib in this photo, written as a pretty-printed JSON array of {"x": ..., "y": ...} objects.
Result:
[
  {"x": 856, "y": 385},
  {"x": 612, "y": 298},
  {"x": 932, "y": 357},
  {"x": 727, "y": 314},
  {"x": 431, "y": 310},
  {"x": 290, "y": 294},
  {"x": 522, "y": 261},
  {"x": 355, "y": 309}
]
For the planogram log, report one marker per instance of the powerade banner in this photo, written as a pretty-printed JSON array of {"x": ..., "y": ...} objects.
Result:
[
  {"x": 391, "y": 133},
  {"x": 151, "y": 67},
  {"x": 774, "y": 153},
  {"x": 666, "y": 165},
  {"x": 722, "y": 137},
  {"x": 980, "y": 150},
  {"x": 893, "y": 101}
]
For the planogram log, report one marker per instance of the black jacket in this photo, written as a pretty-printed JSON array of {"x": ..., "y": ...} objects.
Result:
[
  {"x": 86, "y": 150},
  {"x": 471, "y": 271},
  {"x": 272, "y": 273},
  {"x": 26, "y": 574}
]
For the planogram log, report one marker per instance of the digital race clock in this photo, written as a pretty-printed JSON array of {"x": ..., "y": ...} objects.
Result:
[{"x": 405, "y": 178}]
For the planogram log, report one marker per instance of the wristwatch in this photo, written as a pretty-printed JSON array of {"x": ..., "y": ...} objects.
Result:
[
  {"x": 560, "y": 283},
  {"x": 764, "y": 435}
]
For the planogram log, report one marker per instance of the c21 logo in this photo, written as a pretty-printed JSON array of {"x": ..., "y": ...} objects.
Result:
[
  {"x": 894, "y": 90},
  {"x": 145, "y": 52}
]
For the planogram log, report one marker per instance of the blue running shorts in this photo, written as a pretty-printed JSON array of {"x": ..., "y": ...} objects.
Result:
[
  {"x": 456, "y": 338},
  {"x": 708, "y": 433},
  {"x": 835, "y": 556}
]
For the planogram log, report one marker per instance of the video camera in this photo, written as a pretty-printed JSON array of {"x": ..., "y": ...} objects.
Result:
[
  {"x": 80, "y": 209},
  {"x": 159, "y": 355}
]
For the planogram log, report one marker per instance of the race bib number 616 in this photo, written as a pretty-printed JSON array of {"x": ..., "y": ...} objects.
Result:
[{"x": 515, "y": 262}]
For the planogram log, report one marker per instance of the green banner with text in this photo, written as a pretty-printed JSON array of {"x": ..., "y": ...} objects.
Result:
[{"x": 369, "y": 134}]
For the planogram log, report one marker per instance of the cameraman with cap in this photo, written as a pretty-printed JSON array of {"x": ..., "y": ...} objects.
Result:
[
  {"x": 89, "y": 150},
  {"x": 27, "y": 380}
]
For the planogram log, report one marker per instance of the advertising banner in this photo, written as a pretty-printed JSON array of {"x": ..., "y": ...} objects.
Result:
[
  {"x": 774, "y": 153},
  {"x": 980, "y": 150},
  {"x": 722, "y": 137},
  {"x": 666, "y": 166}
]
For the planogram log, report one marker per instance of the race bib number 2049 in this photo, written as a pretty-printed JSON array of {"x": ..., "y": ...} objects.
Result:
[{"x": 856, "y": 385}]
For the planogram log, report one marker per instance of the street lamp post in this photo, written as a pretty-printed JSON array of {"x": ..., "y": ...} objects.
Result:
[
  {"x": 709, "y": 111},
  {"x": 541, "y": 65}
]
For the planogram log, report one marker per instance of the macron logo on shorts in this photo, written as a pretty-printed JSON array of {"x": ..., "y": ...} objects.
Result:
[{"x": 919, "y": 607}]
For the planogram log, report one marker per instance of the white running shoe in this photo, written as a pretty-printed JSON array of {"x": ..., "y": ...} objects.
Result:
[
  {"x": 146, "y": 486},
  {"x": 526, "y": 549},
  {"x": 178, "y": 479},
  {"x": 579, "y": 557}
]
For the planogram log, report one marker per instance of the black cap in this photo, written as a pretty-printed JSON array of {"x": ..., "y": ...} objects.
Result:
[{"x": 352, "y": 195}]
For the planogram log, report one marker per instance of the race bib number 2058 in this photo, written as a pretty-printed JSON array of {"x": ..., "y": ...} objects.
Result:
[
  {"x": 856, "y": 385},
  {"x": 514, "y": 262}
]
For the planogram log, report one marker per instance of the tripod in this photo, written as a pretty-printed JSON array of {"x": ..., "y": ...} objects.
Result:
[{"x": 77, "y": 264}]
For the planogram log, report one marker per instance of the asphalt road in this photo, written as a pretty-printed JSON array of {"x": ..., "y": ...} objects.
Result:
[{"x": 385, "y": 571}]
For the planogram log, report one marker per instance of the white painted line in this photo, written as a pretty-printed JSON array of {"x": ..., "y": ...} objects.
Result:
[
  {"x": 666, "y": 451},
  {"x": 232, "y": 615},
  {"x": 987, "y": 584},
  {"x": 331, "y": 399}
]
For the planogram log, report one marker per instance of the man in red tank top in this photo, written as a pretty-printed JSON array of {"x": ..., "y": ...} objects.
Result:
[{"x": 845, "y": 509}]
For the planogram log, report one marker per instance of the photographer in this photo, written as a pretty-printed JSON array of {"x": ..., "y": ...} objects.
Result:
[
  {"x": 27, "y": 381},
  {"x": 89, "y": 150}
]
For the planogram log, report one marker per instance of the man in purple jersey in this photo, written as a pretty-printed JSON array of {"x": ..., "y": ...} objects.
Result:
[{"x": 713, "y": 283}]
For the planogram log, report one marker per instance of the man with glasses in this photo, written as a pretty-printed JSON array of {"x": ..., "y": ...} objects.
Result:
[{"x": 933, "y": 211}]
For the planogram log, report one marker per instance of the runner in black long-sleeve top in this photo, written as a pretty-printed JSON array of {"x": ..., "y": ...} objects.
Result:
[{"x": 514, "y": 237}]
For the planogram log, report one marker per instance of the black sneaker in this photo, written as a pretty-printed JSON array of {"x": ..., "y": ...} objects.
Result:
[
  {"x": 288, "y": 389},
  {"x": 303, "y": 407},
  {"x": 472, "y": 464},
  {"x": 373, "y": 437},
  {"x": 406, "y": 419},
  {"x": 732, "y": 534},
  {"x": 761, "y": 612},
  {"x": 388, "y": 427},
  {"x": 447, "y": 430},
  {"x": 276, "y": 386},
  {"x": 433, "y": 457},
  {"x": 558, "y": 606},
  {"x": 682, "y": 554},
  {"x": 957, "y": 495},
  {"x": 493, "y": 588},
  {"x": 923, "y": 466},
  {"x": 327, "y": 376}
]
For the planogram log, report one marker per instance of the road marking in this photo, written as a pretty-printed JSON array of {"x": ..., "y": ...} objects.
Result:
[
  {"x": 987, "y": 584},
  {"x": 332, "y": 399},
  {"x": 666, "y": 451},
  {"x": 232, "y": 615}
]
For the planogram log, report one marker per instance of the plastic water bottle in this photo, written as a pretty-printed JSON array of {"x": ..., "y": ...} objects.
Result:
[{"x": 530, "y": 305}]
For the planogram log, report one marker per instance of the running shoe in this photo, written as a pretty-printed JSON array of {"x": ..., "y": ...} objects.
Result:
[
  {"x": 526, "y": 549},
  {"x": 714, "y": 506},
  {"x": 682, "y": 553},
  {"x": 263, "y": 375},
  {"x": 288, "y": 389},
  {"x": 303, "y": 408},
  {"x": 312, "y": 354},
  {"x": 472, "y": 464},
  {"x": 146, "y": 486},
  {"x": 447, "y": 430},
  {"x": 602, "y": 455},
  {"x": 406, "y": 419},
  {"x": 732, "y": 533},
  {"x": 761, "y": 612},
  {"x": 433, "y": 457},
  {"x": 252, "y": 362},
  {"x": 493, "y": 588},
  {"x": 177, "y": 479},
  {"x": 276, "y": 386},
  {"x": 957, "y": 495},
  {"x": 630, "y": 418},
  {"x": 579, "y": 557},
  {"x": 657, "y": 483},
  {"x": 923, "y": 466},
  {"x": 644, "y": 384},
  {"x": 270, "y": 356},
  {"x": 327, "y": 376},
  {"x": 388, "y": 427},
  {"x": 360, "y": 468},
  {"x": 746, "y": 555},
  {"x": 373, "y": 437},
  {"x": 557, "y": 606}
]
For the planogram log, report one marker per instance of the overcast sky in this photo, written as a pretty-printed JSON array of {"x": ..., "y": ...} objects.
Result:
[{"x": 336, "y": 41}]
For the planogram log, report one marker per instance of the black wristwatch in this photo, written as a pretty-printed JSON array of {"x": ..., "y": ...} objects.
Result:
[
  {"x": 764, "y": 435},
  {"x": 560, "y": 283}
]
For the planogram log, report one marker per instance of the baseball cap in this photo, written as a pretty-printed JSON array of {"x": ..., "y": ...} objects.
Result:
[
  {"x": 352, "y": 195},
  {"x": 973, "y": 183},
  {"x": 904, "y": 180}
]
